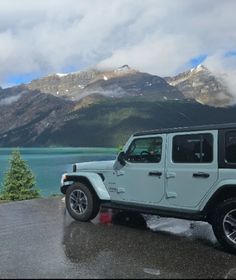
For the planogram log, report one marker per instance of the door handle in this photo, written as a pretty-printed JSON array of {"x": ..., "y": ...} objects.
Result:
[
  {"x": 201, "y": 175},
  {"x": 155, "y": 173}
]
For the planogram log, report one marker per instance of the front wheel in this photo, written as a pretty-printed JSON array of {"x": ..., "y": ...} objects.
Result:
[
  {"x": 81, "y": 202},
  {"x": 224, "y": 224}
]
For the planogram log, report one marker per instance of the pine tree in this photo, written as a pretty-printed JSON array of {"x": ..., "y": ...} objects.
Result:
[{"x": 19, "y": 182}]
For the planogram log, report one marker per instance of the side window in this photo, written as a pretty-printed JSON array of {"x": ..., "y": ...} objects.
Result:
[
  {"x": 145, "y": 150},
  {"x": 193, "y": 148},
  {"x": 230, "y": 147}
]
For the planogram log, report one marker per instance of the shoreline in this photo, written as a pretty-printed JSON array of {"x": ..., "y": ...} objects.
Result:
[{"x": 54, "y": 196}]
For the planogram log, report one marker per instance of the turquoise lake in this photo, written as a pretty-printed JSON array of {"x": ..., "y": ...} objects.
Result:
[{"x": 48, "y": 164}]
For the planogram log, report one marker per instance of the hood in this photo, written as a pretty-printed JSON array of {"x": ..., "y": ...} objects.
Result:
[{"x": 95, "y": 165}]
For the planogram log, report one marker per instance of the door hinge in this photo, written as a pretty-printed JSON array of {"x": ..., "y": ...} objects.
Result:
[
  {"x": 171, "y": 195},
  {"x": 170, "y": 175},
  {"x": 121, "y": 190},
  {"x": 120, "y": 173}
]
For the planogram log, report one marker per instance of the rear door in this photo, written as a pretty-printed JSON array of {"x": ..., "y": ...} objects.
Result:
[{"x": 192, "y": 167}]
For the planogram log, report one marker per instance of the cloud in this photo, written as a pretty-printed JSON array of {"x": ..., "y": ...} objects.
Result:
[
  {"x": 224, "y": 66},
  {"x": 162, "y": 57},
  {"x": 9, "y": 100},
  {"x": 157, "y": 36}
]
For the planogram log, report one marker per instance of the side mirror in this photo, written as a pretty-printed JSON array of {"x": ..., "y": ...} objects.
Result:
[{"x": 121, "y": 158}]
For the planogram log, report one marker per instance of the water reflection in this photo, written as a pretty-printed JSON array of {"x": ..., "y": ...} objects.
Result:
[
  {"x": 130, "y": 219},
  {"x": 79, "y": 241},
  {"x": 193, "y": 230},
  {"x": 190, "y": 229},
  {"x": 83, "y": 241},
  {"x": 123, "y": 218},
  {"x": 87, "y": 237},
  {"x": 125, "y": 251}
]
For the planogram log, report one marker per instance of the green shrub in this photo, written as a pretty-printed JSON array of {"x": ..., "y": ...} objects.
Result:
[{"x": 19, "y": 182}]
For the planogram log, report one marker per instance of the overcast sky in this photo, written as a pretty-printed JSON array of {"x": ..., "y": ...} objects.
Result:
[{"x": 162, "y": 37}]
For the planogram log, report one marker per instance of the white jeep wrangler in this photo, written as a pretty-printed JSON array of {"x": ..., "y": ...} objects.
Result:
[{"x": 187, "y": 173}]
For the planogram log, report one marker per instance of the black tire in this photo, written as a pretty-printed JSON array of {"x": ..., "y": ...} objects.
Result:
[
  {"x": 88, "y": 198},
  {"x": 223, "y": 226}
]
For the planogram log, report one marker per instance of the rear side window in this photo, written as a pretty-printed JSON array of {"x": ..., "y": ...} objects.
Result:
[
  {"x": 145, "y": 150},
  {"x": 193, "y": 148},
  {"x": 230, "y": 147}
]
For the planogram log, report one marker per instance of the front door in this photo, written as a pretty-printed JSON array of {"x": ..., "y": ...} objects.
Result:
[
  {"x": 141, "y": 180},
  {"x": 192, "y": 168}
]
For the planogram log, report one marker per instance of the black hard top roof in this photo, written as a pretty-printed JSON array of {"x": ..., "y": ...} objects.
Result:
[{"x": 187, "y": 129}]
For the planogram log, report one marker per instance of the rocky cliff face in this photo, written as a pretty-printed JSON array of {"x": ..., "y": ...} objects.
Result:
[
  {"x": 199, "y": 84},
  {"x": 121, "y": 82},
  {"x": 72, "y": 85},
  {"x": 64, "y": 85},
  {"x": 203, "y": 86}
]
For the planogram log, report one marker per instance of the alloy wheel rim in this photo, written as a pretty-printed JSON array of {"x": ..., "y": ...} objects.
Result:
[
  {"x": 229, "y": 224},
  {"x": 78, "y": 202}
]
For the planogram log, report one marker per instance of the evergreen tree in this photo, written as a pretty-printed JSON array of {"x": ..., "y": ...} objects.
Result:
[{"x": 19, "y": 182}]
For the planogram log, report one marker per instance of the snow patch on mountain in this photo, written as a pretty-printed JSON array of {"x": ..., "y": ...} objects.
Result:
[{"x": 61, "y": 75}]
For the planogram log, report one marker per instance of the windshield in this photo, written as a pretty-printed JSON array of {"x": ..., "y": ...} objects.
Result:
[{"x": 145, "y": 150}]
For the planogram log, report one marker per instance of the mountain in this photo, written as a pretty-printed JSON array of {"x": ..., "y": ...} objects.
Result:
[
  {"x": 202, "y": 85},
  {"x": 34, "y": 119},
  {"x": 111, "y": 122},
  {"x": 25, "y": 114},
  {"x": 121, "y": 82},
  {"x": 199, "y": 84},
  {"x": 103, "y": 108}
]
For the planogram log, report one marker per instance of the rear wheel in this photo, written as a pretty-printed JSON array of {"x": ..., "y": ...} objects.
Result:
[
  {"x": 81, "y": 202},
  {"x": 224, "y": 224}
]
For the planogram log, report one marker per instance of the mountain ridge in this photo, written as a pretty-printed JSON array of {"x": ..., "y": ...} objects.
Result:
[
  {"x": 123, "y": 81},
  {"x": 111, "y": 106},
  {"x": 199, "y": 84},
  {"x": 204, "y": 86}
]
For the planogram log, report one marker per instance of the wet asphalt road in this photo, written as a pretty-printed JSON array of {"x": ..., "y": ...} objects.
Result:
[{"x": 38, "y": 239}]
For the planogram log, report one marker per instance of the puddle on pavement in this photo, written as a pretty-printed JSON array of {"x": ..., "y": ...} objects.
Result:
[
  {"x": 190, "y": 229},
  {"x": 109, "y": 248},
  {"x": 123, "y": 218}
]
